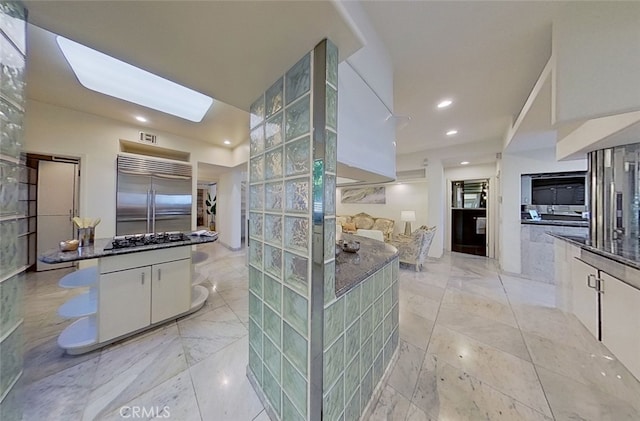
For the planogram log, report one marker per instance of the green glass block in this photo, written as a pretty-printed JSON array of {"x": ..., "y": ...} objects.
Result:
[
  {"x": 387, "y": 326},
  {"x": 256, "y": 112},
  {"x": 388, "y": 352},
  {"x": 297, "y": 119},
  {"x": 271, "y": 324},
  {"x": 11, "y": 352},
  {"x": 256, "y": 197},
  {"x": 395, "y": 338},
  {"x": 378, "y": 340},
  {"x": 273, "y": 164},
  {"x": 333, "y": 402},
  {"x": 12, "y": 405},
  {"x": 352, "y": 341},
  {"x": 332, "y": 108},
  {"x": 296, "y": 272},
  {"x": 329, "y": 195},
  {"x": 367, "y": 293},
  {"x": 333, "y": 322},
  {"x": 329, "y": 282},
  {"x": 273, "y": 260},
  {"x": 394, "y": 291},
  {"x": 12, "y": 133},
  {"x": 395, "y": 269},
  {"x": 289, "y": 411},
  {"x": 296, "y": 233},
  {"x": 298, "y": 79},
  {"x": 366, "y": 356},
  {"x": 273, "y": 196},
  {"x": 352, "y": 377},
  {"x": 255, "y": 364},
  {"x": 255, "y": 309},
  {"x": 377, "y": 312},
  {"x": 387, "y": 301},
  {"x": 255, "y": 224},
  {"x": 11, "y": 308},
  {"x": 298, "y": 157},
  {"x": 256, "y": 169},
  {"x": 9, "y": 253},
  {"x": 255, "y": 281},
  {"x": 272, "y": 390},
  {"x": 272, "y": 292},
  {"x": 353, "y": 305},
  {"x": 255, "y": 253},
  {"x": 12, "y": 73},
  {"x": 394, "y": 316},
  {"x": 295, "y": 386},
  {"x": 295, "y": 310},
  {"x": 378, "y": 368},
  {"x": 333, "y": 363},
  {"x": 387, "y": 273},
  {"x": 273, "y": 229},
  {"x": 13, "y": 21},
  {"x": 273, "y": 131},
  {"x": 332, "y": 63},
  {"x": 298, "y": 193},
  {"x": 9, "y": 188},
  {"x": 329, "y": 238},
  {"x": 255, "y": 337},
  {"x": 366, "y": 323},
  {"x": 274, "y": 98},
  {"x": 353, "y": 411},
  {"x": 295, "y": 348},
  {"x": 272, "y": 358},
  {"x": 366, "y": 388},
  {"x": 378, "y": 284},
  {"x": 256, "y": 141},
  {"x": 331, "y": 151}
]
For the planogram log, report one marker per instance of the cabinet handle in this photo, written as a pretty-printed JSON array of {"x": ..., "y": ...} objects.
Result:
[
  {"x": 159, "y": 274},
  {"x": 592, "y": 277},
  {"x": 600, "y": 285},
  {"x": 142, "y": 278}
]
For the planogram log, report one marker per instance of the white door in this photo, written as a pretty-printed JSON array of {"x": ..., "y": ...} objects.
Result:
[
  {"x": 56, "y": 205},
  {"x": 584, "y": 295},
  {"x": 620, "y": 307},
  {"x": 171, "y": 289}
]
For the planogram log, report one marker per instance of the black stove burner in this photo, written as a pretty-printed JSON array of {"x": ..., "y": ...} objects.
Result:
[{"x": 147, "y": 239}]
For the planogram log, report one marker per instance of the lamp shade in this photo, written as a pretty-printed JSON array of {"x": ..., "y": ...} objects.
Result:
[{"x": 408, "y": 216}]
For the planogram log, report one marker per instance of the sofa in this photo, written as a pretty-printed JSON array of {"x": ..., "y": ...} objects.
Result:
[
  {"x": 364, "y": 221},
  {"x": 413, "y": 249}
]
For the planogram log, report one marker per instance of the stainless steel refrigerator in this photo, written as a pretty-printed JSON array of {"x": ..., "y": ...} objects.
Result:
[{"x": 152, "y": 196}]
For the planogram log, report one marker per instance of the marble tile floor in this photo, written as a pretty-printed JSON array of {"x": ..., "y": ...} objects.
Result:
[{"x": 475, "y": 344}]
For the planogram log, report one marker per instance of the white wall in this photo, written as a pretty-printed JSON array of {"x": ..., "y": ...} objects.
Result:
[
  {"x": 405, "y": 196},
  {"x": 512, "y": 168},
  {"x": 95, "y": 140},
  {"x": 228, "y": 218}
]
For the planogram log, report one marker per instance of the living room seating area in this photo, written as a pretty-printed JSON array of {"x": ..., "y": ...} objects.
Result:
[
  {"x": 364, "y": 221},
  {"x": 413, "y": 249}
]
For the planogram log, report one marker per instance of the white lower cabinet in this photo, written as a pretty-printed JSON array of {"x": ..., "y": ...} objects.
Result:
[
  {"x": 584, "y": 294},
  {"x": 620, "y": 308},
  {"x": 170, "y": 289}
]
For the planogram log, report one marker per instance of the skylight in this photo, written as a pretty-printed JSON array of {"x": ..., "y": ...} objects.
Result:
[{"x": 107, "y": 75}]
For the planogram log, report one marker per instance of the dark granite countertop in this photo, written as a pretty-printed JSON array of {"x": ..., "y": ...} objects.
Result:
[
  {"x": 97, "y": 250},
  {"x": 625, "y": 253},
  {"x": 556, "y": 222},
  {"x": 353, "y": 268}
]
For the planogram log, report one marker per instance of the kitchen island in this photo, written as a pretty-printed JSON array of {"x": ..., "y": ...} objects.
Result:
[{"x": 130, "y": 290}]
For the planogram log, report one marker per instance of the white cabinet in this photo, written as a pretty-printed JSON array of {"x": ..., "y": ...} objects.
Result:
[
  {"x": 584, "y": 280},
  {"x": 170, "y": 289},
  {"x": 124, "y": 302},
  {"x": 620, "y": 308}
]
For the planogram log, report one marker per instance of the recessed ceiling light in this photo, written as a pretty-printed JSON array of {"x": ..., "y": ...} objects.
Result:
[
  {"x": 444, "y": 103},
  {"x": 464, "y": 163},
  {"x": 452, "y": 132},
  {"x": 227, "y": 142},
  {"x": 140, "y": 118},
  {"x": 110, "y": 76}
]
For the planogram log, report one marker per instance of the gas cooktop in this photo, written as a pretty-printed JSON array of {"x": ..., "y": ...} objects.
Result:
[{"x": 136, "y": 240}]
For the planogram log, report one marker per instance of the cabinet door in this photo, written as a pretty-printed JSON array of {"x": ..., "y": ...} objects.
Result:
[
  {"x": 621, "y": 321},
  {"x": 171, "y": 289},
  {"x": 584, "y": 297},
  {"x": 124, "y": 302}
]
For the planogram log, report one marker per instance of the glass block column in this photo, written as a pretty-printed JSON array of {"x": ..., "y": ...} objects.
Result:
[
  {"x": 292, "y": 233},
  {"x": 12, "y": 101}
]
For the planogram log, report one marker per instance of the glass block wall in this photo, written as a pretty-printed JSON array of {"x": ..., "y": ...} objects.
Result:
[
  {"x": 292, "y": 232},
  {"x": 12, "y": 101},
  {"x": 360, "y": 337}
]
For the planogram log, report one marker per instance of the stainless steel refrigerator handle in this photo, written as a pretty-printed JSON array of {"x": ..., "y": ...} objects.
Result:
[
  {"x": 153, "y": 210},
  {"x": 148, "y": 210}
]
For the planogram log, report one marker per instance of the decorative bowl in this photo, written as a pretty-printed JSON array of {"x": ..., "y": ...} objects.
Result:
[
  {"x": 69, "y": 245},
  {"x": 351, "y": 246}
]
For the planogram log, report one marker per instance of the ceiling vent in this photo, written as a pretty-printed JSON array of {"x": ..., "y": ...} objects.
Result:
[
  {"x": 148, "y": 138},
  {"x": 419, "y": 174}
]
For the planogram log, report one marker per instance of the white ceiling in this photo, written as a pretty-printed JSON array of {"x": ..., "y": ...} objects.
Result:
[{"x": 485, "y": 55}]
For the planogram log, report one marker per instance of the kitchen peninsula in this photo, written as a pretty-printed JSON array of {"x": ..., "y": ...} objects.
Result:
[{"x": 130, "y": 290}]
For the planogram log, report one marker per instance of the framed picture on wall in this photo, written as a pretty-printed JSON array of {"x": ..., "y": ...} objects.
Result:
[{"x": 364, "y": 195}]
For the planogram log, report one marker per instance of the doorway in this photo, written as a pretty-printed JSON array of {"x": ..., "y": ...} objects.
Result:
[{"x": 469, "y": 216}]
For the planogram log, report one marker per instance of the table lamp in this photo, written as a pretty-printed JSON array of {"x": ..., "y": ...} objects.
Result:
[{"x": 407, "y": 217}]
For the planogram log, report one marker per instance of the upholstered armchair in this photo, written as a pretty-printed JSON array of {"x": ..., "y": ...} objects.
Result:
[{"x": 413, "y": 249}]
